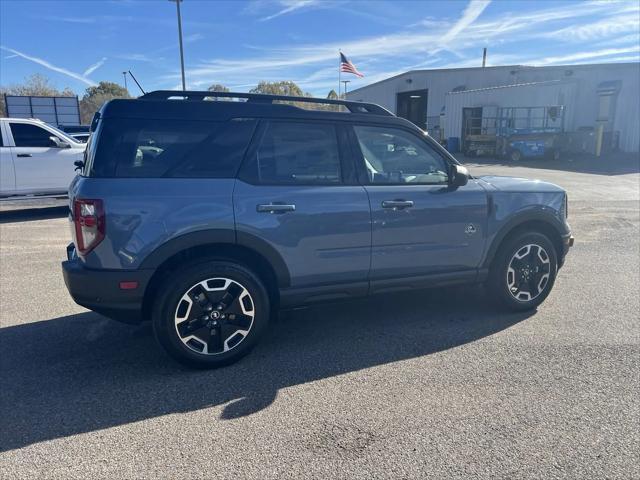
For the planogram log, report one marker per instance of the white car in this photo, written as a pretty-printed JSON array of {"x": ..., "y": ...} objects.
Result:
[{"x": 36, "y": 158}]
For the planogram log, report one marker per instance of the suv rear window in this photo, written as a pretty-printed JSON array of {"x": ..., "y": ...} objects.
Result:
[{"x": 151, "y": 148}]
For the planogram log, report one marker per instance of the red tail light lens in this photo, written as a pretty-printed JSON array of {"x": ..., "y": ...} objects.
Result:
[{"x": 88, "y": 218}]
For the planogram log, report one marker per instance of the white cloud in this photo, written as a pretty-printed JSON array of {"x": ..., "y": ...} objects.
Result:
[
  {"x": 50, "y": 66},
  {"x": 470, "y": 14},
  {"x": 137, "y": 57},
  {"x": 194, "y": 37},
  {"x": 86, "y": 20},
  {"x": 582, "y": 56},
  {"x": 418, "y": 45},
  {"x": 290, "y": 6},
  {"x": 608, "y": 27},
  {"x": 94, "y": 67}
]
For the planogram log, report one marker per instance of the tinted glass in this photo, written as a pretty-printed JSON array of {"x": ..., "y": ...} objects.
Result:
[
  {"x": 26, "y": 135},
  {"x": 168, "y": 148},
  {"x": 395, "y": 156},
  {"x": 303, "y": 153}
]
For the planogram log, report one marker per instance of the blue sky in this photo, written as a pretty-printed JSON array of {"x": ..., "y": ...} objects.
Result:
[{"x": 236, "y": 43}]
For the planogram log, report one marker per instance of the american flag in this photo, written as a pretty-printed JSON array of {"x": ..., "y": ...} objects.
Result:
[{"x": 347, "y": 66}]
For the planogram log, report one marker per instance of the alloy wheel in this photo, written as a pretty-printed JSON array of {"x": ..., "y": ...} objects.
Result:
[
  {"x": 528, "y": 272},
  {"x": 214, "y": 316}
]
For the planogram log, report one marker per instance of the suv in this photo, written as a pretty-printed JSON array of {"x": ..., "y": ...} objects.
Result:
[
  {"x": 36, "y": 158},
  {"x": 207, "y": 216}
]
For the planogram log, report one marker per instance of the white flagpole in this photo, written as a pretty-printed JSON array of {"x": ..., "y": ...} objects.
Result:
[{"x": 339, "y": 78}]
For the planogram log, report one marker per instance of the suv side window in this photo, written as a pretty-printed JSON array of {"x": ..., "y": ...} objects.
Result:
[
  {"x": 27, "y": 135},
  {"x": 395, "y": 156},
  {"x": 298, "y": 153},
  {"x": 153, "y": 148}
]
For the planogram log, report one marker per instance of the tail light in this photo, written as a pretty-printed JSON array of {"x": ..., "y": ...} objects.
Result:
[{"x": 88, "y": 218}]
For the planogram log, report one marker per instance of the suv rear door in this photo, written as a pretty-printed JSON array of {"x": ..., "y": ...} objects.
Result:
[
  {"x": 297, "y": 191},
  {"x": 422, "y": 227}
]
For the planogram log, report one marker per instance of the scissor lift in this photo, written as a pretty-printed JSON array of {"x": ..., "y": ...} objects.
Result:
[{"x": 524, "y": 132}]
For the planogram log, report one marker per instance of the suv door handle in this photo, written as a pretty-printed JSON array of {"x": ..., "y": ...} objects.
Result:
[
  {"x": 275, "y": 208},
  {"x": 397, "y": 204},
  {"x": 24, "y": 155}
]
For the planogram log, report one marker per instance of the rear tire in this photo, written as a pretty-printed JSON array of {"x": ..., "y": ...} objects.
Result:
[
  {"x": 515, "y": 155},
  {"x": 523, "y": 271},
  {"x": 210, "y": 314}
]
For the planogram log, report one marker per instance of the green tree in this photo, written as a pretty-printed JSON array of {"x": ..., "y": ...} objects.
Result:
[
  {"x": 289, "y": 88},
  {"x": 217, "y": 87},
  {"x": 33, "y": 85},
  {"x": 332, "y": 95},
  {"x": 94, "y": 97},
  {"x": 285, "y": 87}
]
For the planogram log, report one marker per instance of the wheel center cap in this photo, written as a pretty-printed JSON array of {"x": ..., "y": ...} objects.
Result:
[{"x": 215, "y": 315}]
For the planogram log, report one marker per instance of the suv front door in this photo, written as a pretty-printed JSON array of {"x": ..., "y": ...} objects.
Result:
[
  {"x": 423, "y": 228},
  {"x": 40, "y": 165},
  {"x": 297, "y": 192}
]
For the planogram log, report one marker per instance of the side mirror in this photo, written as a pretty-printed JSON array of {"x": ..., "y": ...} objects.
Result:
[
  {"x": 459, "y": 176},
  {"x": 58, "y": 143}
]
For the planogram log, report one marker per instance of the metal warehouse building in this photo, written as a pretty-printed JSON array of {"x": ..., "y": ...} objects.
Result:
[{"x": 592, "y": 96}]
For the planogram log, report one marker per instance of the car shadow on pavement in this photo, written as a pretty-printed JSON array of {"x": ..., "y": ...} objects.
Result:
[
  {"x": 83, "y": 373},
  {"x": 32, "y": 214}
]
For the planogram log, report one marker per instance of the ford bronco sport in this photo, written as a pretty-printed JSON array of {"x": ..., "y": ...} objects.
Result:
[{"x": 206, "y": 216}]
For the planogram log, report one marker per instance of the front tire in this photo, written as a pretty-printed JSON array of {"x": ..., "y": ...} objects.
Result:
[
  {"x": 524, "y": 271},
  {"x": 515, "y": 155},
  {"x": 210, "y": 314}
]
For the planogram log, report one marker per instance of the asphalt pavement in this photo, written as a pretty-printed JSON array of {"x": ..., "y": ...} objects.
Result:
[{"x": 434, "y": 385}]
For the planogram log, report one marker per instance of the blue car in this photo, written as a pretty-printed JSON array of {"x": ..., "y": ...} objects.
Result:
[{"x": 206, "y": 217}]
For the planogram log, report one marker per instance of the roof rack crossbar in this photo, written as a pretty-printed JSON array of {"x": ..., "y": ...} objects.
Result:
[{"x": 192, "y": 95}]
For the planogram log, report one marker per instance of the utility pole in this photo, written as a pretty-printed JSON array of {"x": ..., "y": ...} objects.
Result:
[
  {"x": 124, "y": 74},
  {"x": 484, "y": 57},
  {"x": 184, "y": 87},
  {"x": 345, "y": 87}
]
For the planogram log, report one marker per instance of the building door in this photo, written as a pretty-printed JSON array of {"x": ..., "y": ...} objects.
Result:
[
  {"x": 413, "y": 106},
  {"x": 471, "y": 125}
]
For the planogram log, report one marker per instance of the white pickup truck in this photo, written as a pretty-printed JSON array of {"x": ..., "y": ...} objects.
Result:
[{"x": 36, "y": 158}]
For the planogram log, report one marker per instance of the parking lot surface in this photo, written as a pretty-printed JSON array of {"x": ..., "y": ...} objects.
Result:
[{"x": 435, "y": 385}]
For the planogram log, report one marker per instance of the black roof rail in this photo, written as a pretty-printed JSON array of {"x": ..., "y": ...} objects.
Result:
[{"x": 193, "y": 95}]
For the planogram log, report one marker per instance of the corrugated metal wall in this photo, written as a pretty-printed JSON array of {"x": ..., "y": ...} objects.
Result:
[
  {"x": 586, "y": 79},
  {"x": 539, "y": 94}
]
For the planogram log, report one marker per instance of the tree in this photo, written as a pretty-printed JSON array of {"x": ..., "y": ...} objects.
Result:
[
  {"x": 33, "y": 85},
  {"x": 332, "y": 95},
  {"x": 279, "y": 88},
  {"x": 96, "y": 96},
  {"x": 217, "y": 87}
]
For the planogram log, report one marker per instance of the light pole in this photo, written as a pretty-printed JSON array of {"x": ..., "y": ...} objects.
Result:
[
  {"x": 180, "y": 40},
  {"x": 345, "y": 87},
  {"x": 124, "y": 74}
]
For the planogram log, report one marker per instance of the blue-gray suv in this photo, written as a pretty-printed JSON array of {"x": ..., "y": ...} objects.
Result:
[{"x": 205, "y": 215}]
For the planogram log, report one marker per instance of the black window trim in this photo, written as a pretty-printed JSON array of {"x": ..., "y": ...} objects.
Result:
[
  {"x": 359, "y": 157},
  {"x": 248, "y": 171}
]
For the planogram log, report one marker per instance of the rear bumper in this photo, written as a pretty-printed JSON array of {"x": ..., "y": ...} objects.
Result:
[{"x": 99, "y": 290}]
